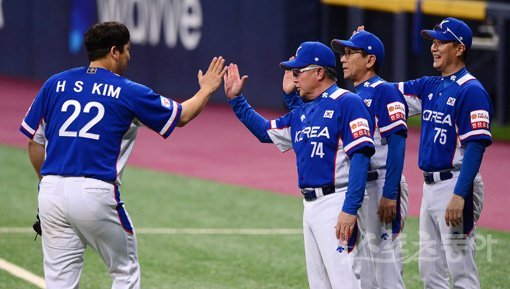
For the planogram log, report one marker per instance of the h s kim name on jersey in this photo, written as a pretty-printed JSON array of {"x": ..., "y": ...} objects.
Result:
[{"x": 103, "y": 89}]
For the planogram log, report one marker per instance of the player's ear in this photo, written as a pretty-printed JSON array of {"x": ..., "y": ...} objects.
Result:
[
  {"x": 114, "y": 52},
  {"x": 371, "y": 59},
  {"x": 461, "y": 48},
  {"x": 321, "y": 73}
]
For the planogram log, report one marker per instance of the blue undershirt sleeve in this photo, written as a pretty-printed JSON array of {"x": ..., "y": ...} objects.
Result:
[
  {"x": 470, "y": 166},
  {"x": 357, "y": 182},
  {"x": 256, "y": 123},
  {"x": 394, "y": 165},
  {"x": 292, "y": 100}
]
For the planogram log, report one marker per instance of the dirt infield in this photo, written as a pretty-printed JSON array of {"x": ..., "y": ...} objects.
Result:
[{"x": 216, "y": 146}]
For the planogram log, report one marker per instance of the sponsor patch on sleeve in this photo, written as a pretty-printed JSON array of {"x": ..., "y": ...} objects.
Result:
[
  {"x": 165, "y": 102},
  {"x": 479, "y": 119},
  {"x": 396, "y": 111},
  {"x": 359, "y": 127}
]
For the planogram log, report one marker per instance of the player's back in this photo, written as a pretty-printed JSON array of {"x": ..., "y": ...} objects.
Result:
[{"x": 87, "y": 111}]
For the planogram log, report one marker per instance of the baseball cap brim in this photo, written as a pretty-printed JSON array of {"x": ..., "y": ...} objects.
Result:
[
  {"x": 338, "y": 45},
  {"x": 292, "y": 64},
  {"x": 432, "y": 34}
]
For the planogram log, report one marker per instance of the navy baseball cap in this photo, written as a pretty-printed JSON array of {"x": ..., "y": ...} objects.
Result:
[
  {"x": 450, "y": 29},
  {"x": 311, "y": 53},
  {"x": 363, "y": 40}
]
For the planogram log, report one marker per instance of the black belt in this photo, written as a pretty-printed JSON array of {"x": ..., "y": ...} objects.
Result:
[
  {"x": 443, "y": 176},
  {"x": 372, "y": 176},
  {"x": 310, "y": 194}
]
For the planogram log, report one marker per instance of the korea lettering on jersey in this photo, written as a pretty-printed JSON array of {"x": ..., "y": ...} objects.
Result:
[
  {"x": 454, "y": 109},
  {"x": 323, "y": 134},
  {"x": 86, "y": 112},
  {"x": 389, "y": 109}
]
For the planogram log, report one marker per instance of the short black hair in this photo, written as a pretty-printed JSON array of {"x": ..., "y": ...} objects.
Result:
[
  {"x": 331, "y": 72},
  {"x": 100, "y": 38}
]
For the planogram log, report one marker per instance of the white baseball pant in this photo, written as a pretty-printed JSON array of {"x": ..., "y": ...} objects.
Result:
[
  {"x": 448, "y": 251},
  {"x": 379, "y": 261},
  {"x": 76, "y": 212},
  {"x": 326, "y": 267}
]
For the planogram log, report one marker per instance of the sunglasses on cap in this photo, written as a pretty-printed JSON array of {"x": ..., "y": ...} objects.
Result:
[
  {"x": 445, "y": 30},
  {"x": 296, "y": 72}
]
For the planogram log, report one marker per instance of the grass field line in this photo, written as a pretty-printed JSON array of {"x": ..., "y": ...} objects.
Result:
[
  {"x": 185, "y": 231},
  {"x": 22, "y": 273}
]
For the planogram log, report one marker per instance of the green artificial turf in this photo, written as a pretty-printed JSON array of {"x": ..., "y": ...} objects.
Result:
[{"x": 185, "y": 259}]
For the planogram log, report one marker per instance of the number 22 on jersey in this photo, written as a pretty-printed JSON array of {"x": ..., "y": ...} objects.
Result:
[{"x": 75, "y": 106}]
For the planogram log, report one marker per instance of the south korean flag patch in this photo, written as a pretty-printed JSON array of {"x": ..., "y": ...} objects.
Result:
[
  {"x": 165, "y": 102},
  {"x": 328, "y": 114}
]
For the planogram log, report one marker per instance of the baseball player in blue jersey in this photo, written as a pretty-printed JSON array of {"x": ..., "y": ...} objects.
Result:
[
  {"x": 379, "y": 262},
  {"x": 331, "y": 135},
  {"x": 455, "y": 130},
  {"x": 89, "y": 117},
  {"x": 386, "y": 209}
]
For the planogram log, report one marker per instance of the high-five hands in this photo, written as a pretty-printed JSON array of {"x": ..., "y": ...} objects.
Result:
[
  {"x": 211, "y": 80},
  {"x": 209, "y": 84},
  {"x": 233, "y": 82}
]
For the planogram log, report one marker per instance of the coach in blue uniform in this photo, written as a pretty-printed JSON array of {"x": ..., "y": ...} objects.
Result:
[
  {"x": 361, "y": 57},
  {"x": 86, "y": 113},
  {"x": 456, "y": 116},
  {"x": 330, "y": 131},
  {"x": 380, "y": 255}
]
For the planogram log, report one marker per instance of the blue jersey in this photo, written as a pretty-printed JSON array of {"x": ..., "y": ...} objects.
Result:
[
  {"x": 455, "y": 109},
  {"x": 86, "y": 113},
  {"x": 389, "y": 109},
  {"x": 324, "y": 133}
]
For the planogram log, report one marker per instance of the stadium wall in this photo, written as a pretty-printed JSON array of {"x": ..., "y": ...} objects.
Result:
[{"x": 172, "y": 39}]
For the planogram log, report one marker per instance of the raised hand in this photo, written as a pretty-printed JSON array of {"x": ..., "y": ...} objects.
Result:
[
  {"x": 288, "y": 83},
  {"x": 360, "y": 28},
  {"x": 233, "y": 83},
  {"x": 211, "y": 80},
  {"x": 209, "y": 83}
]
